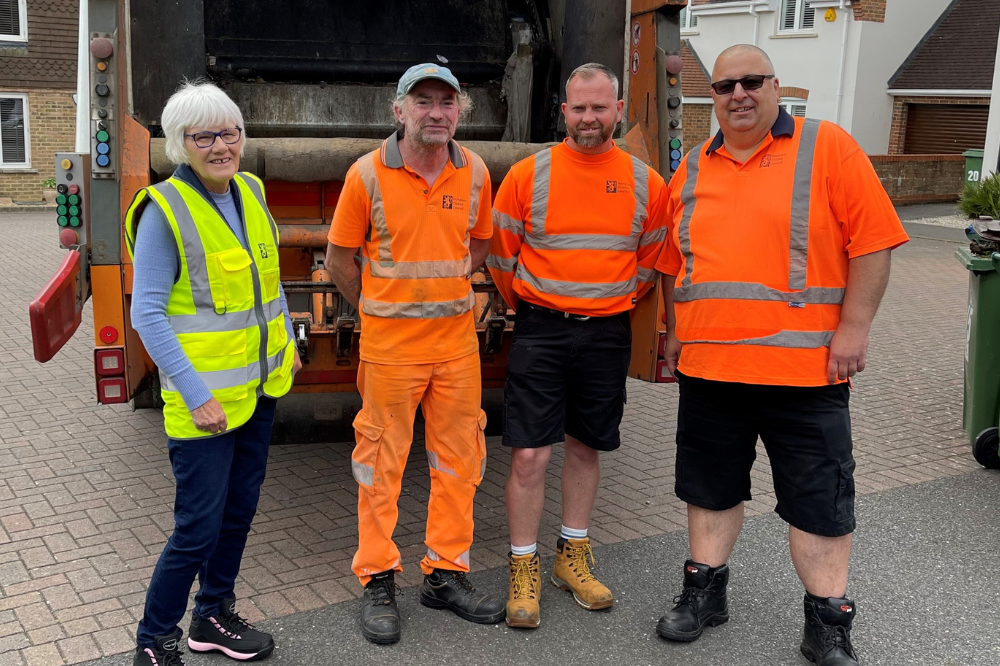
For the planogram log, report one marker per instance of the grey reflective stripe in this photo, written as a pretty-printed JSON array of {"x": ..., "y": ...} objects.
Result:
[
  {"x": 210, "y": 322},
  {"x": 478, "y": 178},
  {"x": 653, "y": 236},
  {"x": 194, "y": 251},
  {"x": 482, "y": 468},
  {"x": 789, "y": 339},
  {"x": 507, "y": 223},
  {"x": 424, "y": 310},
  {"x": 798, "y": 241},
  {"x": 223, "y": 379},
  {"x": 540, "y": 192},
  {"x": 258, "y": 193},
  {"x": 463, "y": 559},
  {"x": 752, "y": 291},
  {"x": 369, "y": 178},
  {"x": 640, "y": 174},
  {"x": 431, "y": 555},
  {"x": 647, "y": 274},
  {"x": 577, "y": 289},
  {"x": 418, "y": 270},
  {"x": 583, "y": 242},
  {"x": 434, "y": 462},
  {"x": 363, "y": 474},
  {"x": 505, "y": 264},
  {"x": 689, "y": 200}
]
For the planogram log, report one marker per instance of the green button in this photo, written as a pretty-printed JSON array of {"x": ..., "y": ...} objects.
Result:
[
  {"x": 63, "y": 220},
  {"x": 61, "y": 210},
  {"x": 675, "y": 144},
  {"x": 61, "y": 199},
  {"x": 102, "y": 136},
  {"x": 74, "y": 210},
  {"x": 74, "y": 221},
  {"x": 74, "y": 200}
]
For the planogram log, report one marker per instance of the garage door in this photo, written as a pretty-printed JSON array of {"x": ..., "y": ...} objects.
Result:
[{"x": 945, "y": 128}]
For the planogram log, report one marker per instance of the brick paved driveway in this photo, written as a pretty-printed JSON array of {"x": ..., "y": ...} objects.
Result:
[{"x": 86, "y": 490}]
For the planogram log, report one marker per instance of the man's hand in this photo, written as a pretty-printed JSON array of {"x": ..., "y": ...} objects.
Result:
[
  {"x": 848, "y": 353},
  {"x": 210, "y": 417},
  {"x": 297, "y": 364},
  {"x": 672, "y": 352}
]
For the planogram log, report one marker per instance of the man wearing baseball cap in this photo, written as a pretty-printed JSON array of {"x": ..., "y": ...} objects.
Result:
[{"x": 417, "y": 212}]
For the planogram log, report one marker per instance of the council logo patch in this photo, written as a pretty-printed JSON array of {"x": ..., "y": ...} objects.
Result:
[
  {"x": 451, "y": 202},
  {"x": 447, "y": 201},
  {"x": 263, "y": 250},
  {"x": 765, "y": 161},
  {"x": 611, "y": 187}
]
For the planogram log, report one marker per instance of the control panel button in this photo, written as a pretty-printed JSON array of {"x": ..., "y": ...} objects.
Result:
[
  {"x": 102, "y": 90},
  {"x": 103, "y": 160},
  {"x": 101, "y": 47},
  {"x": 674, "y": 102},
  {"x": 66, "y": 164},
  {"x": 103, "y": 136},
  {"x": 61, "y": 199},
  {"x": 72, "y": 189}
]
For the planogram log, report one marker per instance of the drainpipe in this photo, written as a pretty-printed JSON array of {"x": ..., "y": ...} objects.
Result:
[
  {"x": 756, "y": 20},
  {"x": 843, "y": 61},
  {"x": 83, "y": 82}
]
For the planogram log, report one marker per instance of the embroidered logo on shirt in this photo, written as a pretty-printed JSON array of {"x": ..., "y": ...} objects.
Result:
[
  {"x": 450, "y": 202},
  {"x": 765, "y": 161},
  {"x": 612, "y": 187},
  {"x": 771, "y": 160},
  {"x": 263, "y": 250}
]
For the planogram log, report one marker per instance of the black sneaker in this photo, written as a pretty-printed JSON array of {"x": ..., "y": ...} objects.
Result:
[
  {"x": 230, "y": 634},
  {"x": 379, "y": 614},
  {"x": 826, "y": 639},
  {"x": 165, "y": 653},
  {"x": 703, "y": 603},
  {"x": 452, "y": 590}
]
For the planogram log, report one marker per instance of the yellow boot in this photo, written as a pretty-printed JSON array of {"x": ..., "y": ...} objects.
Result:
[
  {"x": 572, "y": 573},
  {"x": 525, "y": 591}
]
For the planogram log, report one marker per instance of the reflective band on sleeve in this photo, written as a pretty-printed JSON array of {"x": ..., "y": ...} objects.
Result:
[
  {"x": 478, "y": 178},
  {"x": 369, "y": 178},
  {"x": 752, "y": 291},
  {"x": 540, "y": 192},
  {"x": 689, "y": 200},
  {"x": 434, "y": 462},
  {"x": 425, "y": 310},
  {"x": 640, "y": 174},
  {"x": 798, "y": 241},
  {"x": 363, "y": 474},
  {"x": 422, "y": 270},
  {"x": 577, "y": 289},
  {"x": 505, "y": 264},
  {"x": 194, "y": 251},
  {"x": 647, "y": 274},
  {"x": 788, "y": 339},
  {"x": 507, "y": 223},
  {"x": 653, "y": 236},
  {"x": 583, "y": 242}
]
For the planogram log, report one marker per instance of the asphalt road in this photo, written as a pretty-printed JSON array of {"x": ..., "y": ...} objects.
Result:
[{"x": 925, "y": 575}]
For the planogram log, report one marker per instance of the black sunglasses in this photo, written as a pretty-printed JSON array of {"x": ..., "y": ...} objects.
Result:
[{"x": 749, "y": 82}]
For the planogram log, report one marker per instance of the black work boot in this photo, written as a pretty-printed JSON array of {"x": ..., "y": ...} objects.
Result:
[
  {"x": 379, "y": 614},
  {"x": 165, "y": 652},
  {"x": 702, "y": 604},
  {"x": 826, "y": 639},
  {"x": 230, "y": 634},
  {"x": 453, "y": 591}
]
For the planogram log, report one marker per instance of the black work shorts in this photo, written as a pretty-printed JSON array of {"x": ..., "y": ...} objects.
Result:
[
  {"x": 566, "y": 377},
  {"x": 807, "y": 435}
]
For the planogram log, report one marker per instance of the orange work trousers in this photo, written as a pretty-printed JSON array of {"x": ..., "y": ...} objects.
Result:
[{"x": 450, "y": 395}]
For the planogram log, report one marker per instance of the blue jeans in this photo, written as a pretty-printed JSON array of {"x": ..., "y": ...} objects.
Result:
[{"x": 218, "y": 485}]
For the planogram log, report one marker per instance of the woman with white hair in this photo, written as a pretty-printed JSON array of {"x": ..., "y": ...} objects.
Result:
[{"x": 208, "y": 305}]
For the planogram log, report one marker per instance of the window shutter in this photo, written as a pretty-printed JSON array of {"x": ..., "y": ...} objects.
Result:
[
  {"x": 788, "y": 14},
  {"x": 808, "y": 16},
  {"x": 684, "y": 18},
  {"x": 798, "y": 110},
  {"x": 10, "y": 17},
  {"x": 12, "y": 131},
  {"x": 694, "y": 20}
]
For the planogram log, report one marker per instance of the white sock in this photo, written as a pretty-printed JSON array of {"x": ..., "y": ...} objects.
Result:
[
  {"x": 523, "y": 550},
  {"x": 570, "y": 533}
]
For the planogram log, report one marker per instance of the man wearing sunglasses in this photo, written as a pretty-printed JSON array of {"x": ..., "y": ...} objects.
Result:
[{"x": 776, "y": 259}]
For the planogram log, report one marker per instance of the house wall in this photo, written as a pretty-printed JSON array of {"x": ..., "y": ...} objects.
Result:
[
  {"x": 697, "y": 123},
  {"x": 910, "y": 179},
  {"x": 51, "y": 123}
]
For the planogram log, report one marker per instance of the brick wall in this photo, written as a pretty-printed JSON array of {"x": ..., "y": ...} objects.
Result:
[
  {"x": 869, "y": 10},
  {"x": 697, "y": 123},
  {"x": 52, "y": 129},
  {"x": 920, "y": 178},
  {"x": 900, "y": 110}
]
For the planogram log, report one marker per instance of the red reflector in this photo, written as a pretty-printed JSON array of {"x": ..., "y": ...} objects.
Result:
[
  {"x": 109, "y": 334},
  {"x": 111, "y": 391},
  {"x": 110, "y": 362},
  {"x": 663, "y": 375}
]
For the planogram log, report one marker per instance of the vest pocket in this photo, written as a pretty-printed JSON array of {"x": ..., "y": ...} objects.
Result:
[
  {"x": 270, "y": 282},
  {"x": 230, "y": 280}
]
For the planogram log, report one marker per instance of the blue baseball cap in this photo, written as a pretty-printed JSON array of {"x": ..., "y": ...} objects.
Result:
[{"x": 427, "y": 70}]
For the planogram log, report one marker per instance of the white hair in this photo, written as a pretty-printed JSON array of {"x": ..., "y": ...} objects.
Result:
[
  {"x": 464, "y": 106},
  {"x": 196, "y": 104}
]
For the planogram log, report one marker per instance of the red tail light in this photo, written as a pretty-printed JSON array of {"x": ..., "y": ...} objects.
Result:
[
  {"x": 110, "y": 362},
  {"x": 663, "y": 375},
  {"x": 111, "y": 390}
]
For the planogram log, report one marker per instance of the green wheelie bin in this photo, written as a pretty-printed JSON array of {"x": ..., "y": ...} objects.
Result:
[{"x": 981, "y": 412}]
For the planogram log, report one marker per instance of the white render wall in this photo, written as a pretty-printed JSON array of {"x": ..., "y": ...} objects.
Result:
[{"x": 813, "y": 62}]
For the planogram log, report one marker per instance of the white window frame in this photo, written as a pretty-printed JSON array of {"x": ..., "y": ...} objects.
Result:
[
  {"x": 800, "y": 10},
  {"x": 26, "y": 165},
  {"x": 22, "y": 38},
  {"x": 689, "y": 22},
  {"x": 788, "y": 103}
]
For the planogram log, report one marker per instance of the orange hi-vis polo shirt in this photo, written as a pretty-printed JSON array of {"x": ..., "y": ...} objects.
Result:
[
  {"x": 416, "y": 267},
  {"x": 760, "y": 251},
  {"x": 578, "y": 233}
]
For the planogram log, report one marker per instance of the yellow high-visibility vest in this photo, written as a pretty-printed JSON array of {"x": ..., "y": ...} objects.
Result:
[{"x": 225, "y": 308}]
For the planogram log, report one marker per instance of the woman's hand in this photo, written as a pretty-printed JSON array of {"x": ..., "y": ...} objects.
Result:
[
  {"x": 210, "y": 417},
  {"x": 297, "y": 364}
]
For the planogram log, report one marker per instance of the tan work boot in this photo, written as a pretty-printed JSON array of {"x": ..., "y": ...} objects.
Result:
[
  {"x": 572, "y": 573},
  {"x": 525, "y": 591}
]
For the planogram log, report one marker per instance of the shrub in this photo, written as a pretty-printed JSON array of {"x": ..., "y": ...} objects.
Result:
[
  {"x": 49, "y": 183},
  {"x": 982, "y": 198}
]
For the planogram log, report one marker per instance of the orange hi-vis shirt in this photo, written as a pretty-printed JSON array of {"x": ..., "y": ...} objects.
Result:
[
  {"x": 760, "y": 251},
  {"x": 578, "y": 233},
  {"x": 416, "y": 268}
]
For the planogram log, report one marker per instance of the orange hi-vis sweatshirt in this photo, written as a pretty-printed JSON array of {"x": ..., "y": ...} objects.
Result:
[{"x": 578, "y": 233}]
